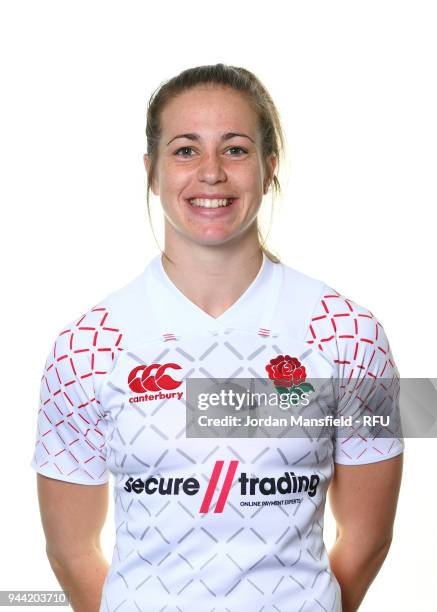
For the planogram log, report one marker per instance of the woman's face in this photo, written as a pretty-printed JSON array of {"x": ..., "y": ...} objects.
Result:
[{"x": 210, "y": 174}]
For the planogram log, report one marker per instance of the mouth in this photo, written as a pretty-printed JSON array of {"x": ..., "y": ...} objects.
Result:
[{"x": 211, "y": 202}]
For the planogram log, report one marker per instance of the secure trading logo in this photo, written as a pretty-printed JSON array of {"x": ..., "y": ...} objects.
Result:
[
  {"x": 144, "y": 379},
  {"x": 287, "y": 483}
]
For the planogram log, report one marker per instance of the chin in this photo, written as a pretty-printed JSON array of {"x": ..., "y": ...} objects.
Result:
[{"x": 212, "y": 239}]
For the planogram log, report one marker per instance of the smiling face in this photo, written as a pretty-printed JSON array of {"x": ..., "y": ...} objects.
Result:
[{"x": 210, "y": 173}]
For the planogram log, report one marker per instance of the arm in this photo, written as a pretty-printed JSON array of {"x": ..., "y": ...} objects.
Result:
[
  {"x": 363, "y": 499},
  {"x": 72, "y": 517}
]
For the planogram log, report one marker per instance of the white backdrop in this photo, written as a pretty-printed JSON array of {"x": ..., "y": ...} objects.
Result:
[{"x": 355, "y": 86}]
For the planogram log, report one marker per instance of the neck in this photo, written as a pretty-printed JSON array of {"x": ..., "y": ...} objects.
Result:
[{"x": 212, "y": 277}]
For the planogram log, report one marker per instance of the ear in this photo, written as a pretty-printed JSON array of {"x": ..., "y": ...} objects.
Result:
[
  {"x": 147, "y": 165},
  {"x": 271, "y": 164}
]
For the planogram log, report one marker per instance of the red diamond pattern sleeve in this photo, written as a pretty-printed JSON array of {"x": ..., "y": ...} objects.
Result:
[
  {"x": 356, "y": 342},
  {"x": 70, "y": 440}
]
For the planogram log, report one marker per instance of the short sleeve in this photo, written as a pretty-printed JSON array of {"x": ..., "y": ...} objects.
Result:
[
  {"x": 70, "y": 430},
  {"x": 367, "y": 379}
]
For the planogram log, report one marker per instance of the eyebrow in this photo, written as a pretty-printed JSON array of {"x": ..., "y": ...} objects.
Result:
[{"x": 226, "y": 136}]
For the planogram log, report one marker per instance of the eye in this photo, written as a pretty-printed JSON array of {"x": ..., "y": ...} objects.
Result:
[
  {"x": 182, "y": 151},
  {"x": 239, "y": 150}
]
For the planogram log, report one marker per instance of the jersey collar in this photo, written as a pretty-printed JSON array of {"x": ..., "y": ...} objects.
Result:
[{"x": 254, "y": 309}]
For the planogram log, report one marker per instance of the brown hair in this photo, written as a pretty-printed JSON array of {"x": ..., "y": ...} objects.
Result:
[{"x": 240, "y": 79}]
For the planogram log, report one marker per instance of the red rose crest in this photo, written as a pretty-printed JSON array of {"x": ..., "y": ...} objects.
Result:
[
  {"x": 286, "y": 371},
  {"x": 288, "y": 375}
]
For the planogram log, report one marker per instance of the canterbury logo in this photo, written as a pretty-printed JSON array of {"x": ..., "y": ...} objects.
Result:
[{"x": 153, "y": 378}]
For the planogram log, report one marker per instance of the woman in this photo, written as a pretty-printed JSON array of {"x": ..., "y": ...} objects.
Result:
[{"x": 210, "y": 522}]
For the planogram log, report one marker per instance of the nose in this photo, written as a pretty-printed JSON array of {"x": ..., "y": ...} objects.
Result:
[{"x": 210, "y": 169}]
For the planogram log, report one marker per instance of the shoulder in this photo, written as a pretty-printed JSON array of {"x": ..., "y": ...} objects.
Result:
[
  {"x": 337, "y": 315},
  {"x": 350, "y": 334},
  {"x": 90, "y": 343},
  {"x": 300, "y": 283}
]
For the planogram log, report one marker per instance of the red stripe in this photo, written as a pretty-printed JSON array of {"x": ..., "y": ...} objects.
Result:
[
  {"x": 356, "y": 350},
  {"x": 80, "y": 320},
  {"x": 211, "y": 486},
  {"x": 326, "y": 339},
  {"x": 226, "y": 487}
]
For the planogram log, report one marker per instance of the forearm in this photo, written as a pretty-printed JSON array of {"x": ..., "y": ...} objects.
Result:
[
  {"x": 82, "y": 577},
  {"x": 355, "y": 568}
]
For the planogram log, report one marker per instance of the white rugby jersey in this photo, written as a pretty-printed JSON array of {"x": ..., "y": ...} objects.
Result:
[{"x": 187, "y": 538}]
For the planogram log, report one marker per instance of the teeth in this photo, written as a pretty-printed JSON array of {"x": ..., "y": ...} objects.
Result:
[{"x": 207, "y": 203}]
